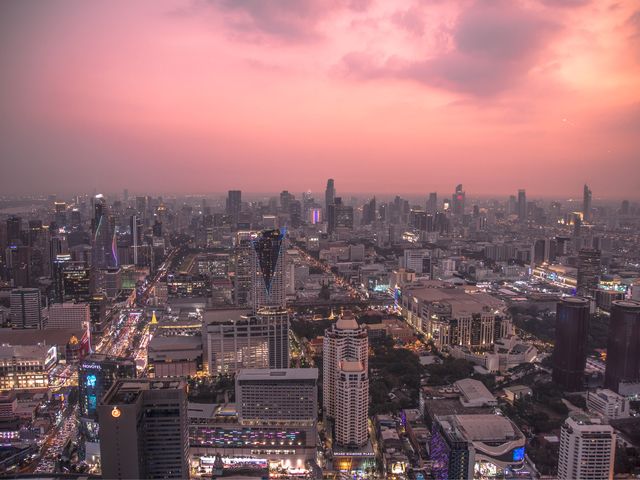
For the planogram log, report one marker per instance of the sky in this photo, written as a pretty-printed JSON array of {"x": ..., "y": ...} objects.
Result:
[{"x": 383, "y": 96}]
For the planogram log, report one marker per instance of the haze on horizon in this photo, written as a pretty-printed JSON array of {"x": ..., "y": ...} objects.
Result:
[{"x": 389, "y": 97}]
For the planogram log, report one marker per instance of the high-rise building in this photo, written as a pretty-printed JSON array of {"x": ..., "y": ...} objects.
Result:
[
  {"x": 14, "y": 231},
  {"x": 277, "y": 396},
  {"x": 432, "y": 203},
  {"x": 329, "y": 194},
  {"x": 344, "y": 340},
  {"x": 458, "y": 200},
  {"x": 623, "y": 347},
  {"x": 352, "y": 406},
  {"x": 586, "y": 204},
  {"x": 71, "y": 280},
  {"x": 242, "y": 261},
  {"x": 587, "y": 449},
  {"x": 234, "y": 205},
  {"x": 522, "y": 205},
  {"x": 277, "y": 321},
  {"x": 588, "y": 271},
  {"x": 104, "y": 249},
  {"x": 144, "y": 429},
  {"x": 570, "y": 350},
  {"x": 26, "y": 308},
  {"x": 136, "y": 236},
  {"x": 339, "y": 216},
  {"x": 267, "y": 269}
]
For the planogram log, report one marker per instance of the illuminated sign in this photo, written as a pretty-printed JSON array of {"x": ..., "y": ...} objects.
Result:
[
  {"x": 115, "y": 413},
  {"x": 52, "y": 355},
  {"x": 91, "y": 381},
  {"x": 518, "y": 454}
]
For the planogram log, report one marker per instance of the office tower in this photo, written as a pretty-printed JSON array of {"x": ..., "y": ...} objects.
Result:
[
  {"x": 588, "y": 271},
  {"x": 285, "y": 201},
  {"x": 369, "y": 212},
  {"x": 339, "y": 216},
  {"x": 432, "y": 203},
  {"x": 329, "y": 194},
  {"x": 103, "y": 254},
  {"x": 570, "y": 349},
  {"x": 277, "y": 396},
  {"x": 587, "y": 449},
  {"x": 19, "y": 261},
  {"x": 76, "y": 281},
  {"x": 75, "y": 316},
  {"x": 586, "y": 204},
  {"x": 96, "y": 374},
  {"x": 624, "y": 207},
  {"x": 242, "y": 261},
  {"x": 144, "y": 429},
  {"x": 522, "y": 205},
  {"x": 234, "y": 205},
  {"x": 136, "y": 236},
  {"x": 458, "y": 200},
  {"x": 344, "y": 340},
  {"x": 623, "y": 347},
  {"x": 26, "y": 308},
  {"x": 14, "y": 231},
  {"x": 267, "y": 269},
  {"x": 352, "y": 405}
]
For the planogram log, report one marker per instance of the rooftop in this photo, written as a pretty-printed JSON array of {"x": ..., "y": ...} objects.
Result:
[{"x": 284, "y": 374}]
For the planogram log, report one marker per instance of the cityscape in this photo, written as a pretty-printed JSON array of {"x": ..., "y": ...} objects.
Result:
[{"x": 340, "y": 240}]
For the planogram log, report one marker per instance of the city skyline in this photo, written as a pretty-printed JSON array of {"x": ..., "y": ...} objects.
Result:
[{"x": 192, "y": 96}]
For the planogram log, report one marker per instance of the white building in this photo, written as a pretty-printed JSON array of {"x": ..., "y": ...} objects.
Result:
[
  {"x": 473, "y": 393},
  {"x": 68, "y": 315},
  {"x": 352, "y": 404},
  {"x": 345, "y": 339},
  {"x": 414, "y": 259},
  {"x": 25, "y": 308},
  {"x": 608, "y": 404},
  {"x": 587, "y": 449}
]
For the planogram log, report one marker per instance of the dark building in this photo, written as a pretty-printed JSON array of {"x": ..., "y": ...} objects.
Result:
[
  {"x": 588, "y": 271},
  {"x": 339, "y": 216},
  {"x": 234, "y": 205},
  {"x": 458, "y": 200},
  {"x": 570, "y": 349},
  {"x": 329, "y": 194},
  {"x": 522, "y": 205},
  {"x": 369, "y": 212},
  {"x": 432, "y": 203},
  {"x": 96, "y": 374},
  {"x": 623, "y": 347},
  {"x": 586, "y": 204},
  {"x": 14, "y": 230},
  {"x": 144, "y": 429},
  {"x": 267, "y": 270}
]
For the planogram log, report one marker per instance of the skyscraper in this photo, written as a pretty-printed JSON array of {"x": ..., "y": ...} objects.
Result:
[
  {"x": 104, "y": 252},
  {"x": 623, "y": 347},
  {"x": 339, "y": 216},
  {"x": 26, "y": 308},
  {"x": 14, "y": 230},
  {"x": 234, "y": 205},
  {"x": 570, "y": 349},
  {"x": 432, "y": 203},
  {"x": 136, "y": 236},
  {"x": 352, "y": 406},
  {"x": 329, "y": 194},
  {"x": 588, "y": 271},
  {"x": 144, "y": 429},
  {"x": 344, "y": 340},
  {"x": 522, "y": 205},
  {"x": 458, "y": 200},
  {"x": 267, "y": 269},
  {"x": 586, "y": 204},
  {"x": 587, "y": 449}
]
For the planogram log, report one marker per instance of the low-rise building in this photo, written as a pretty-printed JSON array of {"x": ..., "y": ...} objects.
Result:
[
  {"x": 608, "y": 404},
  {"x": 473, "y": 393}
]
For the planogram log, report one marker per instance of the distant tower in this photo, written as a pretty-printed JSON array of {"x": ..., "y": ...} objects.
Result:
[
  {"x": 570, "y": 350},
  {"x": 234, "y": 205},
  {"x": 352, "y": 407},
  {"x": 329, "y": 194},
  {"x": 522, "y": 205},
  {"x": 458, "y": 200},
  {"x": 623, "y": 347},
  {"x": 432, "y": 203},
  {"x": 103, "y": 254},
  {"x": 588, "y": 271},
  {"x": 586, "y": 204}
]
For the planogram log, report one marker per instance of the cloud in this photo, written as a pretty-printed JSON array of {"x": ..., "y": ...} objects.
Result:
[
  {"x": 565, "y": 3},
  {"x": 494, "y": 45},
  {"x": 284, "y": 20},
  {"x": 410, "y": 20}
]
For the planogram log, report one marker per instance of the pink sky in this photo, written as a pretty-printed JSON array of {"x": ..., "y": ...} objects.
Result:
[{"x": 386, "y": 96}]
